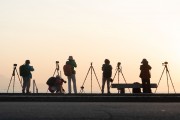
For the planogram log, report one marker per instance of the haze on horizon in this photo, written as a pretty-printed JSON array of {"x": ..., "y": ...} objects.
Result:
[{"x": 46, "y": 31}]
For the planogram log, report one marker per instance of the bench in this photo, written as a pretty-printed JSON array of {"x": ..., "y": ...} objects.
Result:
[{"x": 122, "y": 87}]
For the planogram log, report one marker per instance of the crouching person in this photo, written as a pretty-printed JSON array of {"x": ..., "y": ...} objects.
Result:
[{"x": 56, "y": 84}]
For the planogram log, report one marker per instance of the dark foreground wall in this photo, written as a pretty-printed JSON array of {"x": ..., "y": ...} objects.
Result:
[{"x": 43, "y": 97}]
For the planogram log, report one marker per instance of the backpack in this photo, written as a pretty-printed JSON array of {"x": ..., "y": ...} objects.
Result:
[
  {"x": 136, "y": 90},
  {"x": 67, "y": 70},
  {"x": 51, "y": 81},
  {"x": 24, "y": 71}
]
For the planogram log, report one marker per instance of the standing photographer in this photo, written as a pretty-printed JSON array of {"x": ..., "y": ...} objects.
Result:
[
  {"x": 25, "y": 72},
  {"x": 107, "y": 73},
  {"x": 145, "y": 76},
  {"x": 73, "y": 64}
]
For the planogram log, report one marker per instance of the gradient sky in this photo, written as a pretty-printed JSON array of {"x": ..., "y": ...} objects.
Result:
[{"x": 125, "y": 31}]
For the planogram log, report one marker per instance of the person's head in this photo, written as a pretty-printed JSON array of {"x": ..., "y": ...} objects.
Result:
[
  {"x": 27, "y": 62},
  {"x": 144, "y": 61},
  {"x": 106, "y": 61},
  {"x": 67, "y": 62},
  {"x": 70, "y": 58}
]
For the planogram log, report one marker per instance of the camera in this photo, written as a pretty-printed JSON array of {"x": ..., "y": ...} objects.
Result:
[
  {"x": 111, "y": 80},
  {"x": 118, "y": 64},
  {"x": 165, "y": 63},
  {"x": 15, "y": 64},
  {"x": 57, "y": 61}
]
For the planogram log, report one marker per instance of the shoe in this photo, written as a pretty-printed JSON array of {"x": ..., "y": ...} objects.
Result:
[
  {"x": 28, "y": 92},
  {"x": 23, "y": 91}
]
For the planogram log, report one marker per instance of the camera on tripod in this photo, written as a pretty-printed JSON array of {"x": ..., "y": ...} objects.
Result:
[
  {"x": 15, "y": 65},
  {"x": 57, "y": 61},
  {"x": 118, "y": 64},
  {"x": 165, "y": 63}
]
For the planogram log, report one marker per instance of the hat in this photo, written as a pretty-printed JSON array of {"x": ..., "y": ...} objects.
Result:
[{"x": 70, "y": 58}]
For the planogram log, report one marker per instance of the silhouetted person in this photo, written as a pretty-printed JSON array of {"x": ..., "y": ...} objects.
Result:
[
  {"x": 145, "y": 75},
  {"x": 56, "y": 84},
  {"x": 107, "y": 73},
  {"x": 72, "y": 77},
  {"x": 27, "y": 76}
]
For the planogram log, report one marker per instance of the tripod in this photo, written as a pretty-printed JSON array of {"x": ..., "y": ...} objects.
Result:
[
  {"x": 13, "y": 78},
  {"x": 57, "y": 69},
  {"x": 167, "y": 76},
  {"x": 92, "y": 70},
  {"x": 119, "y": 70}
]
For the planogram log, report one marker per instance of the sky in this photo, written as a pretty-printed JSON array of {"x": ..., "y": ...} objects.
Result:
[{"x": 126, "y": 31}]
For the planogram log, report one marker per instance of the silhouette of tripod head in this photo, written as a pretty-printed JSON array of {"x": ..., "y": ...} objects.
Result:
[
  {"x": 57, "y": 65},
  {"x": 165, "y": 63},
  {"x": 15, "y": 65},
  {"x": 118, "y": 65}
]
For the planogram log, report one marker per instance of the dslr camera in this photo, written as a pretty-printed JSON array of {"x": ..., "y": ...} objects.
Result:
[
  {"x": 111, "y": 80},
  {"x": 118, "y": 64}
]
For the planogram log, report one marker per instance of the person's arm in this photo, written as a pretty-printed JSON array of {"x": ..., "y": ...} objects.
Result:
[
  {"x": 73, "y": 63},
  {"x": 103, "y": 67},
  {"x": 150, "y": 67},
  {"x": 31, "y": 68}
]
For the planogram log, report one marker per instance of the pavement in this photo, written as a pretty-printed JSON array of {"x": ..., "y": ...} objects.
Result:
[
  {"x": 89, "y": 111},
  {"x": 43, "y": 97}
]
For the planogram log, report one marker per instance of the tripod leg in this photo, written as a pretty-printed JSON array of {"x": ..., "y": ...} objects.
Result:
[
  {"x": 160, "y": 80},
  {"x": 115, "y": 74},
  {"x": 9, "y": 84},
  {"x": 171, "y": 81},
  {"x": 96, "y": 78},
  {"x": 167, "y": 80},
  {"x": 58, "y": 72},
  {"x": 20, "y": 80},
  {"x": 117, "y": 71},
  {"x": 54, "y": 72},
  {"x": 124, "y": 79},
  {"x": 13, "y": 84},
  {"x": 85, "y": 78}
]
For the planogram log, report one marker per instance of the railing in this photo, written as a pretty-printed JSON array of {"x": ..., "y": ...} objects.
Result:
[{"x": 35, "y": 88}]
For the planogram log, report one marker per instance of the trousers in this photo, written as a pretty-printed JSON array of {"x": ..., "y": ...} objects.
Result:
[{"x": 73, "y": 78}]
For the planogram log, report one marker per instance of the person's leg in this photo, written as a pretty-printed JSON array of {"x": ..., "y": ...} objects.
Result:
[
  {"x": 148, "y": 86},
  {"x": 69, "y": 84},
  {"x": 74, "y": 83},
  {"x": 28, "y": 85},
  {"x": 144, "y": 85},
  {"x": 103, "y": 84},
  {"x": 108, "y": 85},
  {"x": 24, "y": 84}
]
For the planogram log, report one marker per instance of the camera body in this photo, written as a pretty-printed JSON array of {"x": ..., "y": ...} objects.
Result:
[
  {"x": 165, "y": 63},
  {"x": 118, "y": 64},
  {"x": 15, "y": 65}
]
